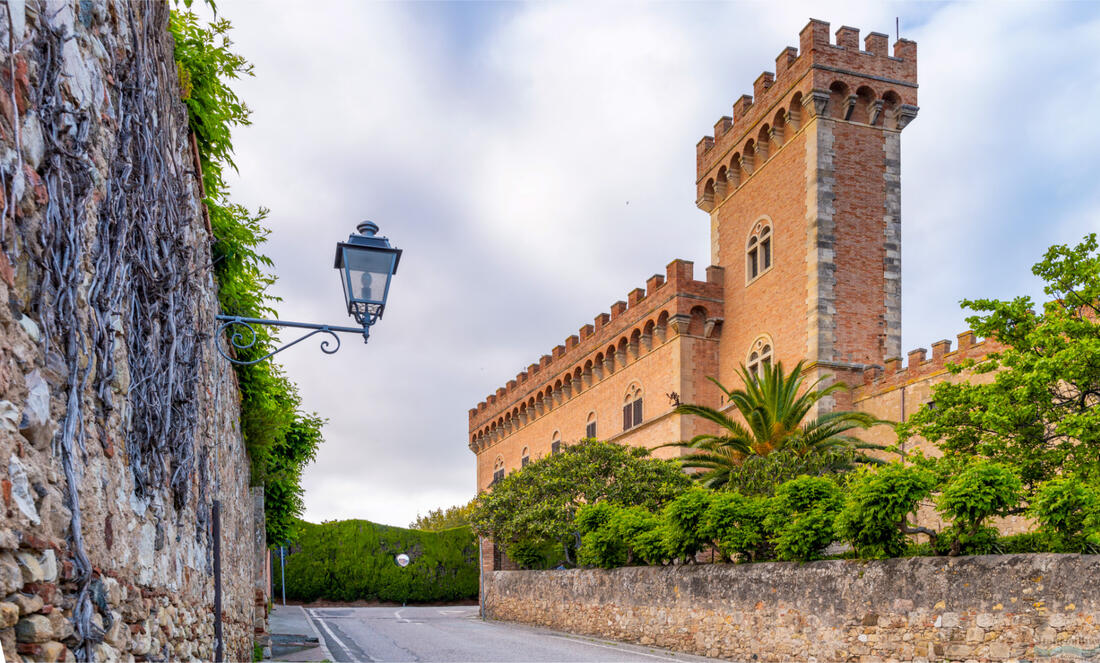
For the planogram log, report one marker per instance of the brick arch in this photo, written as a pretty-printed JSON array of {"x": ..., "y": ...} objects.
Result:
[
  {"x": 779, "y": 123},
  {"x": 708, "y": 191},
  {"x": 635, "y": 345},
  {"x": 748, "y": 157},
  {"x": 865, "y": 100},
  {"x": 733, "y": 175},
  {"x": 794, "y": 111},
  {"x": 578, "y": 379},
  {"x": 891, "y": 101},
  {"x": 698, "y": 320},
  {"x": 839, "y": 100},
  {"x": 763, "y": 144},
  {"x": 721, "y": 183}
]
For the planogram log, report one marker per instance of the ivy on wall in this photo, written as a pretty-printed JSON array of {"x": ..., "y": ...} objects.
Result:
[{"x": 280, "y": 438}]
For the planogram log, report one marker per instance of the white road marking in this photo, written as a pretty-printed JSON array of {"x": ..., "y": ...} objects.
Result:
[
  {"x": 320, "y": 640},
  {"x": 347, "y": 650},
  {"x": 619, "y": 649},
  {"x": 397, "y": 616}
]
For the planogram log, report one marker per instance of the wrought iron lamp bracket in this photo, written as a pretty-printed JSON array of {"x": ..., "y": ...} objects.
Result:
[{"x": 241, "y": 335}]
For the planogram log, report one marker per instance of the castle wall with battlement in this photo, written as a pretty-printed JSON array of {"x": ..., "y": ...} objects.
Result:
[{"x": 663, "y": 340}]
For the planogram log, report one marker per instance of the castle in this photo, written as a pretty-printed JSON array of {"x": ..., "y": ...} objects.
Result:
[{"x": 802, "y": 186}]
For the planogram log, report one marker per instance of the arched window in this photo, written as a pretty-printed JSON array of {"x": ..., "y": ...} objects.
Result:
[
  {"x": 632, "y": 407},
  {"x": 498, "y": 470},
  {"x": 590, "y": 426},
  {"x": 759, "y": 250},
  {"x": 525, "y": 457},
  {"x": 555, "y": 443},
  {"x": 760, "y": 355}
]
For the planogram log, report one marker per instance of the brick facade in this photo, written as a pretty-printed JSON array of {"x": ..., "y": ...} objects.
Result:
[{"x": 813, "y": 157}]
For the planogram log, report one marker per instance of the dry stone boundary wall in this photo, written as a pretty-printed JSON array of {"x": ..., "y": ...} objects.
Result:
[
  {"x": 983, "y": 608},
  {"x": 119, "y": 424}
]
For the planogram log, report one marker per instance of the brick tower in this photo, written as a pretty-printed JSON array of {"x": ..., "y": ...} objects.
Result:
[{"x": 802, "y": 185}]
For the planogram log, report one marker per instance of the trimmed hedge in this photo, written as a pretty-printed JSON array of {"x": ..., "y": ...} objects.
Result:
[{"x": 353, "y": 560}]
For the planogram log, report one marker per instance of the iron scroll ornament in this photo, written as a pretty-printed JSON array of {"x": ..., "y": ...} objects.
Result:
[{"x": 241, "y": 335}]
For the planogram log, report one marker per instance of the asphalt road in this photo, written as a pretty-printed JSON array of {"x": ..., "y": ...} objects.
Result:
[{"x": 455, "y": 634}]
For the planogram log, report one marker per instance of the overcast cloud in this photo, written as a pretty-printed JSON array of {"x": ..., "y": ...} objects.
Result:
[{"x": 536, "y": 162}]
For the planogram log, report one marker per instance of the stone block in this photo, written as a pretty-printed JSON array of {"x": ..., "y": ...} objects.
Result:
[
  {"x": 9, "y": 614},
  {"x": 105, "y": 652},
  {"x": 32, "y": 569},
  {"x": 975, "y": 634},
  {"x": 52, "y": 651},
  {"x": 113, "y": 590},
  {"x": 48, "y": 562},
  {"x": 8, "y": 539},
  {"x": 118, "y": 634},
  {"x": 985, "y": 620},
  {"x": 28, "y": 603},
  {"x": 34, "y": 628},
  {"x": 11, "y": 576},
  {"x": 62, "y": 626}
]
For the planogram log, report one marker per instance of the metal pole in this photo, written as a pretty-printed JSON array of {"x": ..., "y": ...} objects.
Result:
[
  {"x": 282, "y": 564},
  {"x": 217, "y": 527}
]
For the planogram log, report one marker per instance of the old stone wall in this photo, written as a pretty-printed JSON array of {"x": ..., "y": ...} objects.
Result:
[
  {"x": 118, "y": 421},
  {"x": 987, "y": 608}
]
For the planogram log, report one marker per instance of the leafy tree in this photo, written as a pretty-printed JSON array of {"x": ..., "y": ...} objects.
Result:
[
  {"x": 801, "y": 517},
  {"x": 1040, "y": 413},
  {"x": 877, "y": 507},
  {"x": 1067, "y": 509},
  {"x": 982, "y": 490},
  {"x": 441, "y": 519},
  {"x": 736, "y": 523},
  {"x": 774, "y": 407},
  {"x": 684, "y": 531},
  {"x": 537, "y": 504}
]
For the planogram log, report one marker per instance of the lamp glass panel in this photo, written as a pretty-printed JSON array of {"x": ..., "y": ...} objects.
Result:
[{"x": 367, "y": 273}]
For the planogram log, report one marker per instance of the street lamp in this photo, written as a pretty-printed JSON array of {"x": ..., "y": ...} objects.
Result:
[{"x": 367, "y": 263}]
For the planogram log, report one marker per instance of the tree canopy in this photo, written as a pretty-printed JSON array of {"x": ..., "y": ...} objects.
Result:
[
  {"x": 534, "y": 507},
  {"x": 1040, "y": 413}
]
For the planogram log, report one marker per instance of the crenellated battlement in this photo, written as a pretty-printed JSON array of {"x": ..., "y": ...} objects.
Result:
[
  {"x": 919, "y": 366},
  {"x": 669, "y": 305},
  {"x": 821, "y": 78}
]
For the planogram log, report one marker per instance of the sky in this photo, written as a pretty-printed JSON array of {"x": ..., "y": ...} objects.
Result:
[{"x": 536, "y": 162}]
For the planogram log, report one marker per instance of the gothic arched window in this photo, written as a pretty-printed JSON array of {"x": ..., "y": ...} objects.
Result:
[
  {"x": 760, "y": 355},
  {"x": 758, "y": 251},
  {"x": 498, "y": 470},
  {"x": 524, "y": 458},
  {"x": 632, "y": 407},
  {"x": 555, "y": 443},
  {"x": 590, "y": 426}
]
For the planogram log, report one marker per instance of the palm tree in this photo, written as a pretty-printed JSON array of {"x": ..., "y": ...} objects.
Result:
[{"x": 774, "y": 406}]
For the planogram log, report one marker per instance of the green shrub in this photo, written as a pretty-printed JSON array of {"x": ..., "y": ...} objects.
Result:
[
  {"x": 353, "y": 560},
  {"x": 641, "y": 531},
  {"x": 601, "y": 544},
  {"x": 1028, "y": 542},
  {"x": 1065, "y": 507},
  {"x": 801, "y": 517},
  {"x": 981, "y": 490},
  {"x": 878, "y": 503},
  {"x": 959, "y": 541},
  {"x": 684, "y": 531},
  {"x": 736, "y": 523}
]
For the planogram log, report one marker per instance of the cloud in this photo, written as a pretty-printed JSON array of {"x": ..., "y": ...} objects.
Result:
[{"x": 536, "y": 163}]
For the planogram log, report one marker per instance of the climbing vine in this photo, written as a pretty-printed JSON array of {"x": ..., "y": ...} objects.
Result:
[{"x": 280, "y": 438}]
